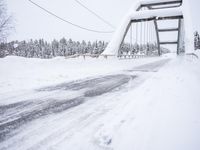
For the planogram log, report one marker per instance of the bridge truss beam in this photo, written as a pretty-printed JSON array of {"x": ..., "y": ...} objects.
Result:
[
  {"x": 179, "y": 2},
  {"x": 157, "y": 10}
]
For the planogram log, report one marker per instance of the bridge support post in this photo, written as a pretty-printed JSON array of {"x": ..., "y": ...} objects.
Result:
[{"x": 157, "y": 37}]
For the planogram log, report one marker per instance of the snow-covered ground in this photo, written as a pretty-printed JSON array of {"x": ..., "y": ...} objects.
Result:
[
  {"x": 156, "y": 107},
  {"x": 18, "y": 73}
]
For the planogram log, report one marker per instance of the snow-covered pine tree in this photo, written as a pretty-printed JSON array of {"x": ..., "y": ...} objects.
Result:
[
  {"x": 63, "y": 46},
  {"x": 89, "y": 48},
  {"x": 83, "y": 47},
  {"x": 196, "y": 40},
  {"x": 54, "y": 47},
  {"x": 43, "y": 49}
]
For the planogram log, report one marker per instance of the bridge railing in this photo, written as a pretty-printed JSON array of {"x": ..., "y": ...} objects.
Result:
[{"x": 135, "y": 56}]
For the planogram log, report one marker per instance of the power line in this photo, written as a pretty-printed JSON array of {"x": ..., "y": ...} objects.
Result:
[
  {"x": 106, "y": 22},
  {"x": 66, "y": 21}
]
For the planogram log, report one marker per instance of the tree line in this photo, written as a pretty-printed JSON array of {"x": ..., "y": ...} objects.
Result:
[{"x": 43, "y": 49}]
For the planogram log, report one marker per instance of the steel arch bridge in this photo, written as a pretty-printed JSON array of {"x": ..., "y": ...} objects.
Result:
[{"x": 145, "y": 11}]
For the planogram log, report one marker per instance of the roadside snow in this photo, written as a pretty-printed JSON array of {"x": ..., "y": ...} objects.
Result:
[{"x": 18, "y": 73}]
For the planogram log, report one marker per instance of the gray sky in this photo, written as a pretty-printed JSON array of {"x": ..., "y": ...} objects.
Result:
[{"x": 31, "y": 22}]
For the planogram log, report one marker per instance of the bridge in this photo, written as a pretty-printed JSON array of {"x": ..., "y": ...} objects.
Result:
[{"x": 140, "y": 32}]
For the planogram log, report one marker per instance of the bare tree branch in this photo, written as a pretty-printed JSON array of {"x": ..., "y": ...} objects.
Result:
[{"x": 5, "y": 22}]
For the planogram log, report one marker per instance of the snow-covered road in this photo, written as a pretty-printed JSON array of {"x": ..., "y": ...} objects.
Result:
[{"x": 47, "y": 118}]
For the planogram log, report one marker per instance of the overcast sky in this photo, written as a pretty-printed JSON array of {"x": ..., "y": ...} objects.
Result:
[{"x": 31, "y": 22}]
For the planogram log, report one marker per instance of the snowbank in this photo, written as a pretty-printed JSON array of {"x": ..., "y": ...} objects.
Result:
[{"x": 165, "y": 111}]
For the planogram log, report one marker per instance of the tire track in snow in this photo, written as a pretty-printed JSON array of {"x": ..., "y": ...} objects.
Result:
[
  {"x": 151, "y": 67},
  {"x": 92, "y": 87},
  {"x": 24, "y": 112}
]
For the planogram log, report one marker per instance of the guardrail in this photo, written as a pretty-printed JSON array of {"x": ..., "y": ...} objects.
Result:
[
  {"x": 90, "y": 55},
  {"x": 84, "y": 56}
]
